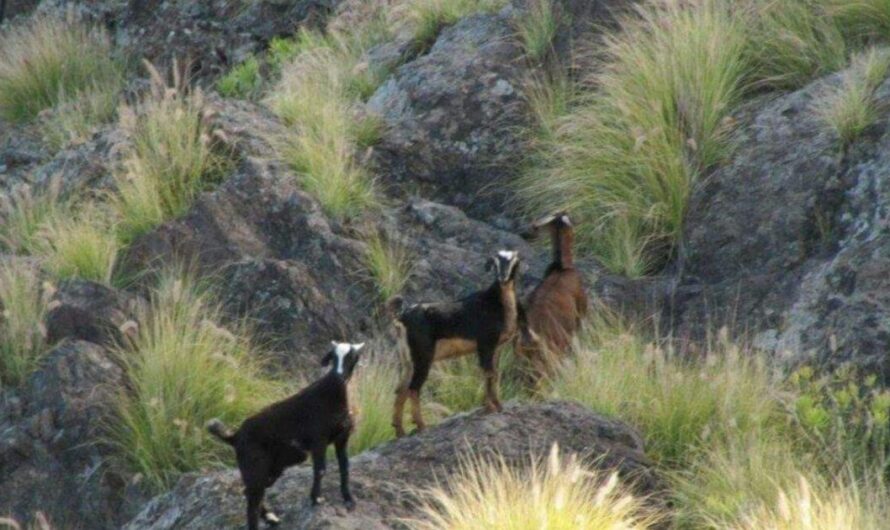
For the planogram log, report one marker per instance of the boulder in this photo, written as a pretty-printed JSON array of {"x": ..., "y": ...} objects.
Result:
[
  {"x": 787, "y": 242},
  {"x": 51, "y": 458},
  {"x": 93, "y": 312},
  {"x": 386, "y": 479}
]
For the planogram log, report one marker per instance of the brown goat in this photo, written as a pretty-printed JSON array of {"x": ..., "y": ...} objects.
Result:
[{"x": 556, "y": 307}]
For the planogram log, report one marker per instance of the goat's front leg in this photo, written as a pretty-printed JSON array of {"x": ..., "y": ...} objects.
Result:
[
  {"x": 318, "y": 469},
  {"x": 254, "y": 503},
  {"x": 488, "y": 360},
  {"x": 343, "y": 464}
]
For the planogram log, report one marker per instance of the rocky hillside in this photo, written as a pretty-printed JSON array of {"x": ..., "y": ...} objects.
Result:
[{"x": 782, "y": 241}]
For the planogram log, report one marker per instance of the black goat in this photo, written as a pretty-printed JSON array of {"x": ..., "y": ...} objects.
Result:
[
  {"x": 480, "y": 323},
  {"x": 287, "y": 432}
]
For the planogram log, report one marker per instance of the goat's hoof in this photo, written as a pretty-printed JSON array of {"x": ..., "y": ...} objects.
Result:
[
  {"x": 350, "y": 504},
  {"x": 400, "y": 433},
  {"x": 317, "y": 500},
  {"x": 271, "y": 519}
]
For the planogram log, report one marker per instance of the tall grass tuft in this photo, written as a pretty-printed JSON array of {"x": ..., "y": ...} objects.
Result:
[
  {"x": 23, "y": 306},
  {"x": 793, "y": 42},
  {"x": 23, "y": 212},
  {"x": 681, "y": 404},
  {"x": 861, "y": 20},
  {"x": 559, "y": 493},
  {"x": 372, "y": 393},
  {"x": 75, "y": 119},
  {"x": 81, "y": 244},
  {"x": 50, "y": 59},
  {"x": 183, "y": 369},
  {"x": 426, "y": 18},
  {"x": 625, "y": 159},
  {"x": 851, "y": 108},
  {"x": 171, "y": 160},
  {"x": 389, "y": 265},
  {"x": 537, "y": 29},
  {"x": 317, "y": 98}
]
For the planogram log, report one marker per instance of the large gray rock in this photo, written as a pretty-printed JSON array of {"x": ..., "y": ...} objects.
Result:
[
  {"x": 385, "y": 479},
  {"x": 789, "y": 242},
  {"x": 93, "y": 312},
  {"x": 51, "y": 459}
]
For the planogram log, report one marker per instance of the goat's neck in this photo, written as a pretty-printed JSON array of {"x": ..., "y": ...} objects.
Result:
[
  {"x": 507, "y": 294},
  {"x": 562, "y": 240}
]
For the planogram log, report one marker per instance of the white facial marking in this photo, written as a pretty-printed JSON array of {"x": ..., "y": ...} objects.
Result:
[
  {"x": 507, "y": 254},
  {"x": 341, "y": 351}
]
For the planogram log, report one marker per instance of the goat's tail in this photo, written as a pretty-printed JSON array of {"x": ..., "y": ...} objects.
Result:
[
  {"x": 394, "y": 307},
  {"x": 217, "y": 428}
]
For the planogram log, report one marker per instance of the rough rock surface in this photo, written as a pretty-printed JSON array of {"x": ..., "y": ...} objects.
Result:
[
  {"x": 90, "y": 311},
  {"x": 788, "y": 241},
  {"x": 50, "y": 459},
  {"x": 384, "y": 478}
]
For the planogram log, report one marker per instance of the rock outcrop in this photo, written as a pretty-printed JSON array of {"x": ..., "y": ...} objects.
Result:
[
  {"x": 51, "y": 457},
  {"x": 385, "y": 479}
]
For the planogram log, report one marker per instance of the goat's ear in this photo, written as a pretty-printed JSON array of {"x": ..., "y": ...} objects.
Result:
[
  {"x": 327, "y": 359},
  {"x": 357, "y": 347}
]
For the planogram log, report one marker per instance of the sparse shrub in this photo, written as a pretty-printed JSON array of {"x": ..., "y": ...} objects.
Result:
[
  {"x": 48, "y": 60},
  {"x": 242, "y": 81},
  {"x": 489, "y": 493},
  {"x": 373, "y": 393},
  {"x": 171, "y": 160},
  {"x": 82, "y": 244},
  {"x": 851, "y": 108},
  {"x": 537, "y": 28},
  {"x": 389, "y": 266},
  {"x": 625, "y": 159},
  {"x": 23, "y": 212},
  {"x": 793, "y": 42},
  {"x": 183, "y": 369},
  {"x": 23, "y": 306}
]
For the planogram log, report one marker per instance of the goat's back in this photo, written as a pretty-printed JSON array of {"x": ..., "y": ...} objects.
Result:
[{"x": 556, "y": 307}]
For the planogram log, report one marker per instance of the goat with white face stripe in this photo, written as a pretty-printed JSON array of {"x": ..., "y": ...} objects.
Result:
[
  {"x": 481, "y": 322},
  {"x": 286, "y": 433}
]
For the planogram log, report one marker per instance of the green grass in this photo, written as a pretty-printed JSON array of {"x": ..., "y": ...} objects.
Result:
[
  {"x": 316, "y": 97},
  {"x": 171, "y": 160},
  {"x": 861, "y": 20},
  {"x": 537, "y": 29},
  {"x": 458, "y": 385},
  {"x": 183, "y": 370},
  {"x": 76, "y": 119},
  {"x": 625, "y": 158},
  {"x": 48, "y": 60},
  {"x": 373, "y": 392},
  {"x": 242, "y": 81},
  {"x": 24, "y": 212},
  {"x": 426, "y": 18},
  {"x": 389, "y": 266},
  {"x": 556, "y": 493},
  {"x": 23, "y": 306},
  {"x": 793, "y": 42},
  {"x": 851, "y": 108},
  {"x": 81, "y": 244}
]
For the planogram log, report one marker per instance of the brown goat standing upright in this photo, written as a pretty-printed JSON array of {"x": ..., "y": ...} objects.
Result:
[{"x": 558, "y": 304}]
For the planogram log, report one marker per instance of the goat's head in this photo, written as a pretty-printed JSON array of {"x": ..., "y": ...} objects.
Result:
[
  {"x": 344, "y": 357},
  {"x": 506, "y": 265},
  {"x": 552, "y": 222}
]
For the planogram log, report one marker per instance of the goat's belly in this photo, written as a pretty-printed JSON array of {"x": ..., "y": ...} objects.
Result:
[{"x": 453, "y": 347}]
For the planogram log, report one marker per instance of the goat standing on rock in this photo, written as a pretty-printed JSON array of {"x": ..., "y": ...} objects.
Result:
[
  {"x": 287, "y": 432},
  {"x": 481, "y": 322},
  {"x": 557, "y": 306}
]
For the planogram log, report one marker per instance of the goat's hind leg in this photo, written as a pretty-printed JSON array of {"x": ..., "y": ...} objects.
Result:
[
  {"x": 489, "y": 361},
  {"x": 399, "y": 408},
  {"x": 318, "y": 470}
]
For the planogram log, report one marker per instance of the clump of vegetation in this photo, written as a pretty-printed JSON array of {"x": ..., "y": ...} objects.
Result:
[
  {"x": 389, "y": 266},
  {"x": 851, "y": 108},
  {"x": 861, "y": 20},
  {"x": 559, "y": 493},
  {"x": 372, "y": 393},
  {"x": 243, "y": 81},
  {"x": 457, "y": 385},
  {"x": 81, "y": 244},
  {"x": 428, "y": 17},
  {"x": 183, "y": 369},
  {"x": 793, "y": 42},
  {"x": 74, "y": 120},
  {"x": 50, "y": 60},
  {"x": 23, "y": 306},
  {"x": 316, "y": 98},
  {"x": 625, "y": 158},
  {"x": 537, "y": 29},
  {"x": 172, "y": 158},
  {"x": 24, "y": 211}
]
